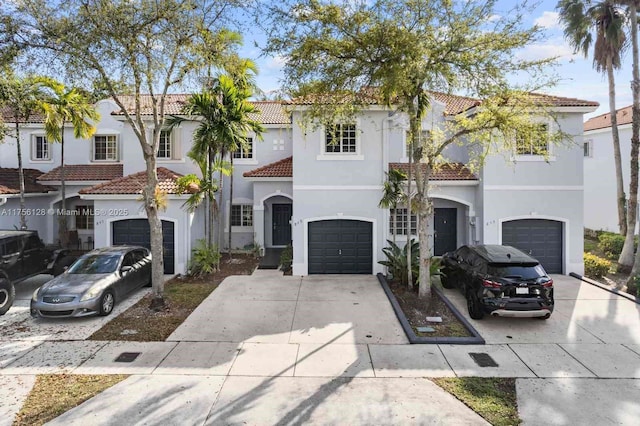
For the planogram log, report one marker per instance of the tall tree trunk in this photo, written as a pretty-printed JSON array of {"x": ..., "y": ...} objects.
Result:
[
  {"x": 409, "y": 197},
  {"x": 231, "y": 202},
  {"x": 23, "y": 216},
  {"x": 626, "y": 260},
  {"x": 220, "y": 236},
  {"x": 622, "y": 199},
  {"x": 62, "y": 219},
  {"x": 155, "y": 228},
  {"x": 424, "y": 222}
]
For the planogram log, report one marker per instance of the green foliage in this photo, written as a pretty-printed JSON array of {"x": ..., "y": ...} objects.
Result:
[
  {"x": 397, "y": 260},
  {"x": 594, "y": 266},
  {"x": 286, "y": 259},
  {"x": 205, "y": 259},
  {"x": 633, "y": 286},
  {"x": 611, "y": 244}
]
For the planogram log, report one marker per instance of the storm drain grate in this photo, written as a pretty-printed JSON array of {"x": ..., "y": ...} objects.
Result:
[
  {"x": 128, "y": 356},
  {"x": 483, "y": 359}
]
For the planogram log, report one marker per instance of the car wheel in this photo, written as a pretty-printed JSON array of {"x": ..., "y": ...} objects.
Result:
[
  {"x": 7, "y": 295},
  {"x": 544, "y": 317},
  {"x": 474, "y": 306},
  {"x": 446, "y": 282},
  {"x": 107, "y": 302}
]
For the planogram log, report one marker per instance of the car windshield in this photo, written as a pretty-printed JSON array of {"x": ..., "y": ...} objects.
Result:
[
  {"x": 518, "y": 271},
  {"x": 95, "y": 264}
]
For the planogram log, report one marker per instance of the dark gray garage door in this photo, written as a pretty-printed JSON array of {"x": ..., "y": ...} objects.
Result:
[
  {"x": 541, "y": 238},
  {"x": 340, "y": 247},
  {"x": 136, "y": 232}
]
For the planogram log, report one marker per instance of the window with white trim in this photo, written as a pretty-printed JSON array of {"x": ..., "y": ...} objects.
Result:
[
  {"x": 535, "y": 141},
  {"x": 241, "y": 215},
  {"x": 244, "y": 152},
  {"x": 341, "y": 138},
  {"x": 165, "y": 147},
  {"x": 398, "y": 223},
  {"x": 84, "y": 217},
  {"x": 105, "y": 148},
  {"x": 588, "y": 148},
  {"x": 40, "y": 148}
]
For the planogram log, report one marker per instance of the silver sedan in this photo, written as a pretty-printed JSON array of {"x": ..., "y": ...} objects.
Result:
[{"x": 94, "y": 283}]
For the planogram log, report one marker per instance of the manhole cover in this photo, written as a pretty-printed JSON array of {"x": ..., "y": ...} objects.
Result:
[
  {"x": 483, "y": 359},
  {"x": 128, "y": 356}
]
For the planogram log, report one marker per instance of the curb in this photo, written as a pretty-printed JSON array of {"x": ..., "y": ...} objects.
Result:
[
  {"x": 606, "y": 288},
  {"x": 476, "y": 339}
]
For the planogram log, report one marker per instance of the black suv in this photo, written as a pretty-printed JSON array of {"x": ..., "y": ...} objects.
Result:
[
  {"x": 499, "y": 280},
  {"x": 23, "y": 255}
]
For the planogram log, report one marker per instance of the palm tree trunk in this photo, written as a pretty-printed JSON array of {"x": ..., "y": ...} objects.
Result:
[
  {"x": 409, "y": 200},
  {"x": 231, "y": 202},
  {"x": 62, "y": 219},
  {"x": 622, "y": 199},
  {"x": 23, "y": 215},
  {"x": 220, "y": 235},
  {"x": 626, "y": 260}
]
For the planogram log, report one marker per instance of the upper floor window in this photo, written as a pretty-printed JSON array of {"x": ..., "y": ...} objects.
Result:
[
  {"x": 105, "y": 148},
  {"x": 588, "y": 148},
  {"x": 165, "y": 148},
  {"x": 533, "y": 142},
  {"x": 241, "y": 215},
  {"x": 341, "y": 138},
  {"x": 244, "y": 152},
  {"x": 40, "y": 148}
]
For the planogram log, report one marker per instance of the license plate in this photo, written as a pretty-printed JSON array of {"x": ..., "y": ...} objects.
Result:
[{"x": 522, "y": 290}]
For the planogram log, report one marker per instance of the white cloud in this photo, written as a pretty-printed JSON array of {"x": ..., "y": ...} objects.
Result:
[
  {"x": 494, "y": 18},
  {"x": 552, "y": 49},
  {"x": 276, "y": 63},
  {"x": 548, "y": 20}
]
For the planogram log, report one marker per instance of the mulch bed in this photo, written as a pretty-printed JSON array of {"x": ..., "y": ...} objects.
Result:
[
  {"x": 417, "y": 310},
  {"x": 182, "y": 294}
]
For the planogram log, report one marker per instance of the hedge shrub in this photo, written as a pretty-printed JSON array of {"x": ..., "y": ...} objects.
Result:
[
  {"x": 611, "y": 244},
  {"x": 594, "y": 266}
]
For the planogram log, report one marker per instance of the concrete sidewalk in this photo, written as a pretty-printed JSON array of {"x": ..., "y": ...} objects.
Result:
[{"x": 242, "y": 358}]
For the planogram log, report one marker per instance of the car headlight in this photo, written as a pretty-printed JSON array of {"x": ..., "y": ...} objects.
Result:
[
  {"x": 35, "y": 294},
  {"x": 92, "y": 293}
]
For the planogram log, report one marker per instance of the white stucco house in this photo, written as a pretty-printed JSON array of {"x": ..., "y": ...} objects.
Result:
[
  {"x": 600, "y": 192},
  {"x": 297, "y": 186}
]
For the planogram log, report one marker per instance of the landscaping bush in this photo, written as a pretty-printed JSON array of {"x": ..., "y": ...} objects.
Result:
[
  {"x": 286, "y": 259},
  {"x": 205, "y": 259},
  {"x": 595, "y": 266},
  {"x": 611, "y": 244},
  {"x": 397, "y": 261}
]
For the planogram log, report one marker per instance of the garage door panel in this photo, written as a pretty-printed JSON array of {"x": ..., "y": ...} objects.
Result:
[
  {"x": 137, "y": 232},
  {"x": 541, "y": 238},
  {"x": 340, "y": 247}
]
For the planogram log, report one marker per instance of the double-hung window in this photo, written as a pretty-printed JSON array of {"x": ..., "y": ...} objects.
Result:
[
  {"x": 244, "y": 152},
  {"x": 341, "y": 138},
  {"x": 84, "y": 217},
  {"x": 241, "y": 215},
  {"x": 533, "y": 141},
  {"x": 105, "y": 148},
  {"x": 40, "y": 148},
  {"x": 165, "y": 148}
]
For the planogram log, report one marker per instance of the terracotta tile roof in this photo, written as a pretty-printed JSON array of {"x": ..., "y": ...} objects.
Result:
[
  {"x": 281, "y": 168},
  {"x": 271, "y": 112},
  {"x": 561, "y": 101},
  {"x": 7, "y": 115},
  {"x": 454, "y": 104},
  {"x": 448, "y": 171},
  {"x": 79, "y": 172},
  {"x": 9, "y": 182},
  {"x": 604, "y": 120},
  {"x": 134, "y": 183}
]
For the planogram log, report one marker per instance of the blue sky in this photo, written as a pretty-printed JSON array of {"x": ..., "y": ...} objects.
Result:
[{"x": 578, "y": 78}]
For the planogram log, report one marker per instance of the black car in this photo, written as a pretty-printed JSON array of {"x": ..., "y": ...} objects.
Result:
[
  {"x": 499, "y": 280},
  {"x": 24, "y": 255}
]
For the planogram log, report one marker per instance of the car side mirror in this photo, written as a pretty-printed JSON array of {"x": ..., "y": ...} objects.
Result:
[{"x": 125, "y": 269}]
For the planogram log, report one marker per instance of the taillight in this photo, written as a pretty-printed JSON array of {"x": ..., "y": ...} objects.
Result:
[
  {"x": 491, "y": 284},
  {"x": 548, "y": 284}
]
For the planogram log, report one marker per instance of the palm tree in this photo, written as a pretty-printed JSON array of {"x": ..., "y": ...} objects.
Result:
[
  {"x": 392, "y": 195},
  {"x": 61, "y": 107},
  {"x": 22, "y": 97},
  {"x": 606, "y": 19}
]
